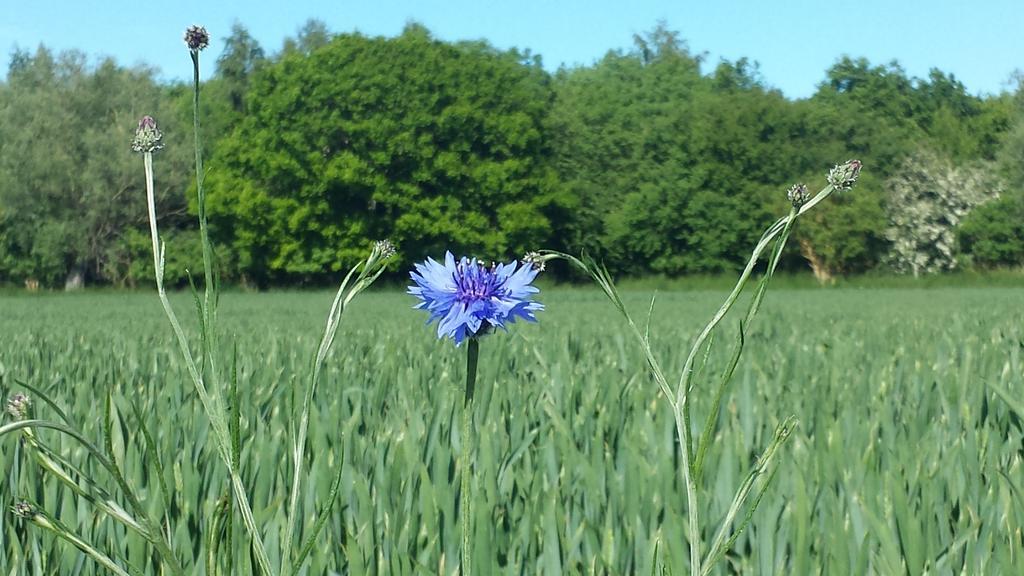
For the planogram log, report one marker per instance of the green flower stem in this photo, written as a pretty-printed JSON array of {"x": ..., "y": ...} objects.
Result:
[
  {"x": 465, "y": 499},
  {"x": 679, "y": 400},
  {"x": 781, "y": 227},
  {"x": 762, "y": 468},
  {"x": 209, "y": 297},
  {"x": 212, "y": 408},
  {"x": 369, "y": 270},
  {"x": 333, "y": 319},
  {"x": 89, "y": 490}
]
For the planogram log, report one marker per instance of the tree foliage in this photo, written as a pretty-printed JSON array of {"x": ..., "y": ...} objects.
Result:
[
  {"x": 650, "y": 159},
  {"x": 442, "y": 148},
  {"x": 69, "y": 188},
  {"x": 993, "y": 235},
  {"x": 674, "y": 172}
]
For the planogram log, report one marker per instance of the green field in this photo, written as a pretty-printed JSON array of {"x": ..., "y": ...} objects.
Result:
[{"x": 904, "y": 462}]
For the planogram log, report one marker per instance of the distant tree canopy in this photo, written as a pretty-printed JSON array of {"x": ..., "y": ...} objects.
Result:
[
  {"x": 70, "y": 193},
  {"x": 651, "y": 159}
]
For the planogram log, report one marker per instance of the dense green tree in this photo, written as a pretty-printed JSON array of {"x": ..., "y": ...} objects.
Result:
[
  {"x": 881, "y": 116},
  {"x": 437, "y": 146},
  {"x": 622, "y": 145},
  {"x": 846, "y": 236},
  {"x": 993, "y": 235}
]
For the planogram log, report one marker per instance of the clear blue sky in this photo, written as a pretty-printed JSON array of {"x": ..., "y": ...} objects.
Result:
[{"x": 981, "y": 41}]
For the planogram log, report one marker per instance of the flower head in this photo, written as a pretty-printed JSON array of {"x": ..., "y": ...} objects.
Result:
[
  {"x": 23, "y": 510},
  {"x": 470, "y": 299},
  {"x": 844, "y": 176},
  {"x": 147, "y": 136},
  {"x": 384, "y": 248},
  {"x": 798, "y": 195},
  {"x": 196, "y": 38},
  {"x": 535, "y": 259},
  {"x": 17, "y": 406}
]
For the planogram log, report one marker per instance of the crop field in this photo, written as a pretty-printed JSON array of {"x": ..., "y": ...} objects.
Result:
[{"x": 904, "y": 460}]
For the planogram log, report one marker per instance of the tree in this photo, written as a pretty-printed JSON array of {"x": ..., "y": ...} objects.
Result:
[
  {"x": 929, "y": 197},
  {"x": 241, "y": 57},
  {"x": 846, "y": 236},
  {"x": 69, "y": 186},
  {"x": 441, "y": 148},
  {"x": 313, "y": 35},
  {"x": 993, "y": 235},
  {"x": 675, "y": 173}
]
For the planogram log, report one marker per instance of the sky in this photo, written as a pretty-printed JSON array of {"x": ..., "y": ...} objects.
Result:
[{"x": 795, "y": 41}]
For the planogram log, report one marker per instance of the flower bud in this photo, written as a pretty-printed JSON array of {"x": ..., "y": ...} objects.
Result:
[
  {"x": 18, "y": 405},
  {"x": 843, "y": 176},
  {"x": 384, "y": 248},
  {"x": 535, "y": 260},
  {"x": 798, "y": 195},
  {"x": 147, "y": 136},
  {"x": 196, "y": 38},
  {"x": 24, "y": 510}
]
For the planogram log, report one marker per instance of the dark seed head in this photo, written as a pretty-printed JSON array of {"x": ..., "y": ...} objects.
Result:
[{"x": 196, "y": 38}]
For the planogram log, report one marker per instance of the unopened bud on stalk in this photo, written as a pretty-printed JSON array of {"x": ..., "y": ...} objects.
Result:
[
  {"x": 384, "y": 248},
  {"x": 798, "y": 195},
  {"x": 147, "y": 136},
  {"x": 843, "y": 176},
  {"x": 18, "y": 405},
  {"x": 196, "y": 38},
  {"x": 24, "y": 510},
  {"x": 536, "y": 260}
]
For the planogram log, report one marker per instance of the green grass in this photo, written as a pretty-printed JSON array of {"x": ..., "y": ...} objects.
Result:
[{"x": 904, "y": 461}]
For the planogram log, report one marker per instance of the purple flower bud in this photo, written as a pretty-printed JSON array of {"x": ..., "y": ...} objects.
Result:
[
  {"x": 196, "y": 38},
  {"x": 147, "y": 136}
]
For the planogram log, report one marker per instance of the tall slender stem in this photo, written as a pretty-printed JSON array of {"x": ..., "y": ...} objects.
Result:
[
  {"x": 209, "y": 295},
  {"x": 147, "y": 160},
  {"x": 203, "y": 231},
  {"x": 465, "y": 498},
  {"x": 213, "y": 411}
]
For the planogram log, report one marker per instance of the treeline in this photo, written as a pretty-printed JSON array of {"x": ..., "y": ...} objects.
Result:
[{"x": 641, "y": 159}]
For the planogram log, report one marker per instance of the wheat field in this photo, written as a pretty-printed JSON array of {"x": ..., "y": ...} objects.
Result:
[{"x": 904, "y": 460}]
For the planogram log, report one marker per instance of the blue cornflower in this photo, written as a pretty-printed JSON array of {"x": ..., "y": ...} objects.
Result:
[{"x": 470, "y": 299}]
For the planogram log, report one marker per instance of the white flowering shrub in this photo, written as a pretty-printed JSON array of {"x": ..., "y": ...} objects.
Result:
[{"x": 928, "y": 197}]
